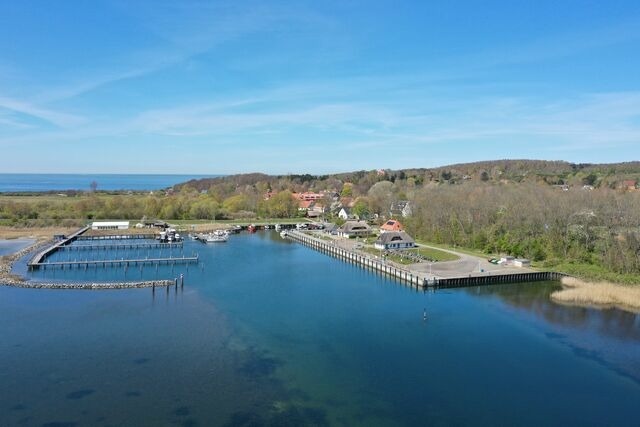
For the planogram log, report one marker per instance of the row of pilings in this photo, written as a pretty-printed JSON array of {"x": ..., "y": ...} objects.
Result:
[
  {"x": 413, "y": 279},
  {"x": 330, "y": 248}
]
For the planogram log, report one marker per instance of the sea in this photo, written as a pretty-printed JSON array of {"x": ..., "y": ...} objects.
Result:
[
  {"x": 30, "y": 182},
  {"x": 267, "y": 332}
]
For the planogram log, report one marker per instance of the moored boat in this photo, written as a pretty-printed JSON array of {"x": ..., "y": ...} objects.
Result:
[{"x": 218, "y": 236}]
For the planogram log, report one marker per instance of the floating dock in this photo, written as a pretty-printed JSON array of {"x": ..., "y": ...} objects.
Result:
[
  {"x": 148, "y": 236},
  {"x": 40, "y": 256},
  {"x": 116, "y": 246},
  {"x": 117, "y": 262}
]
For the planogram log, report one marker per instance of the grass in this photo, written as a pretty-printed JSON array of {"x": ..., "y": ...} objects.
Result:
[
  {"x": 391, "y": 257},
  {"x": 435, "y": 254},
  {"x": 455, "y": 248},
  {"x": 598, "y": 293},
  {"x": 397, "y": 257},
  {"x": 592, "y": 272}
]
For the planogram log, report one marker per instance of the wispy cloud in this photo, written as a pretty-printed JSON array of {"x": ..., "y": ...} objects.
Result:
[{"x": 34, "y": 111}]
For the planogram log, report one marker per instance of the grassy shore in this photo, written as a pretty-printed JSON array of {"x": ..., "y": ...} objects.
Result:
[
  {"x": 598, "y": 294},
  {"x": 38, "y": 233}
]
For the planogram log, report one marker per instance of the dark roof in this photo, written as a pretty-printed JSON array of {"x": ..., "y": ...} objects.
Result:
[
  {"x": 354, "y": 226},
  {"x": 394, "y": 237}
]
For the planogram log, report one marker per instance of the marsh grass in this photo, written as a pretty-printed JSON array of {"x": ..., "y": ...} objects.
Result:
[{"x": 603, "y": 294}]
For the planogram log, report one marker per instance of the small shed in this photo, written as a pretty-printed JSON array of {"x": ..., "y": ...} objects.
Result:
[
  {"x": 110, "y": 225},
  {"x": 506, "y": 260},
  {"x": 521, "y": 262}
]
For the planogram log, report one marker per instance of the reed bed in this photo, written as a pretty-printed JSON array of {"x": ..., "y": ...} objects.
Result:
[{"x": 603, "y": 294}]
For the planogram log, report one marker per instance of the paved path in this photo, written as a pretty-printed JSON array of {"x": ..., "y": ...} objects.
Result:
[{"x": 466, "y": 265}]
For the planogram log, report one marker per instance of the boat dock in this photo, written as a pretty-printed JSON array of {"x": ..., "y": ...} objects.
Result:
[
  {"x": 116, "y": 246},
  {"x": 40, "y": 256},
  {"x": 148, "y": 236},
  {"x": 118, "y": 262},
  {"x": 39, "y": 260},
  {"x": 413, "y": 278}
]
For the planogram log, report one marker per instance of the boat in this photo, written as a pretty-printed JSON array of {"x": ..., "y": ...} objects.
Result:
[
  {"x": 278, "y": 227},
  {"x": 235, "y": 229},
  {"x": 283, "y": 234},
  {"x": 218, "y": 236},
  {"x": 251, "y": 228}
]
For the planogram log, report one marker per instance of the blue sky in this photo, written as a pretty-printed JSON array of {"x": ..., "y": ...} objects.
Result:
[{"x": 315, "y": 87}]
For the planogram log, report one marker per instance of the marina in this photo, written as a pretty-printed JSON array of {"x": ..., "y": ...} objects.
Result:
[{"x": 306, "y": 330}]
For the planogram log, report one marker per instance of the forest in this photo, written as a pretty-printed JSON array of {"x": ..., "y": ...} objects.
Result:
[{"x": 576, "y": 218}]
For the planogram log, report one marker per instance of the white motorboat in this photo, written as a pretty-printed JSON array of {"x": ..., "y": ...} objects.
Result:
[{"x": 218, "y": 236}]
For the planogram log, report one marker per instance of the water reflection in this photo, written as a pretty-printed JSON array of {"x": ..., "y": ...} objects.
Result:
[
  {"x": 535, "y": 297},
  {"x": 600, "y": 335}
]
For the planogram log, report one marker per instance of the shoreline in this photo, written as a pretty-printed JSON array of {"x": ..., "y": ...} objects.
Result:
[
  {"x": 601, "y": 295},
  {"x": 7, "y": 278}
]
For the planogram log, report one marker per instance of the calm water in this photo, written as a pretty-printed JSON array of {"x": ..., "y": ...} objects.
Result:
[
  {"x": 268, "y": 332},
  {"x": 24, "y": 182}
]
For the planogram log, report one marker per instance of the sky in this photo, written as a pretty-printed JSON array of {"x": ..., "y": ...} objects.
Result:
[{"x": 208, "y": 87}]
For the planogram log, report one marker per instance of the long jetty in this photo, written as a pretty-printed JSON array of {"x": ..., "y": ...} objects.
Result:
[
  {"x": 40, "y": 256},
  {"x": 118, "y": 262},
  {"x": 414, "y": 279},
  {"x": 117, "y": 236},
  {"x": 117, "y": 246}
]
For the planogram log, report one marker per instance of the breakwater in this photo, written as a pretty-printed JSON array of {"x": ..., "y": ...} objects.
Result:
[
  {"x": 413, "y": 278},
  {"x": 9, "y": 279},
  {"x": 92, "y": 285}
]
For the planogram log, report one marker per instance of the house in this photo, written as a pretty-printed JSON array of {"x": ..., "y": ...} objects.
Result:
[
  {"x": 391, "y": 225},
  {"x": 305, "y": 205},
  {"x": 352, "y": 229},
  {"x": 394, "y": 240},
  {"x": 629, "y": 184},
  {"x": 345, "y": 213},
  {"x": 308, "y": 196},
  {"x": 110, "y": 225},
  {"x": 316, "y": 210},
  {"x": 400, "y": 208}
]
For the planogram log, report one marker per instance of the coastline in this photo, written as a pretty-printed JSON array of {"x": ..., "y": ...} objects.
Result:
[
  {"x": 598, "y": 294},
  {"x": 44, "y": 239}
]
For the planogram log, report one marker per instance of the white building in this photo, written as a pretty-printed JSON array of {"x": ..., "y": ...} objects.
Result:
[
  {"x": 394, "y": 240},
  {"x": 110, "y": 225}
]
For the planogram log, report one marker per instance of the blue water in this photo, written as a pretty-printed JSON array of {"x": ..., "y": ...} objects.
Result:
[
  {"x": 28, "y": 182},
  {"x": 11, "y": 246},
  {"x": 268, "y": 332}
]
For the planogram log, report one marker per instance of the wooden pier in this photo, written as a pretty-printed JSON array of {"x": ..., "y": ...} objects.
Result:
[
  {"x": 148, "y": 236},
  {"x": 40, "y": 256},
  {"x": 116, "y": 246},
  {"x": 413, "y": 279},
  {"x": 117, "y": 262}
]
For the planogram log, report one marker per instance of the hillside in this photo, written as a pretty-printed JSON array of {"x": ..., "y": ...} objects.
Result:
[{"x": 504, "y": 171}]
